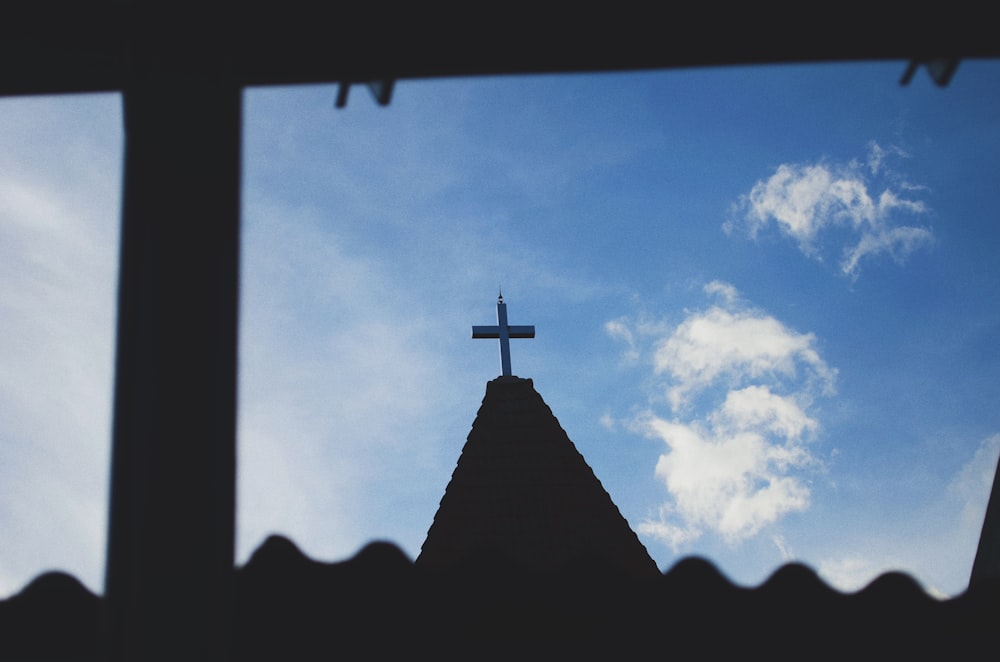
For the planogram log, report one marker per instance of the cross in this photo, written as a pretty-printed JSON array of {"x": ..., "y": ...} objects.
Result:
[{"x": 504, "y": 332}]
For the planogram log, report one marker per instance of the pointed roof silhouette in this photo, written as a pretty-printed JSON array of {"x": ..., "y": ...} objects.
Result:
[
  {"x": 522, "y": 492},
  {"x": 986, "y": 565}
]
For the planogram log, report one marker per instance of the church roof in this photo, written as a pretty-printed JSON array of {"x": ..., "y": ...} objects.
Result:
[{"x": 521, "y": 491}]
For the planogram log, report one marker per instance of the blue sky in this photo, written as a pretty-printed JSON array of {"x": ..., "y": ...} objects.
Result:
[{"x": 765, "y": 300}]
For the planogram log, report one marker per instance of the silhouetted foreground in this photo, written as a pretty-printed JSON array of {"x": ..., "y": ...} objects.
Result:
[
  {"x": 521, "y": 487},
  {"x": 378, "y": 604}
]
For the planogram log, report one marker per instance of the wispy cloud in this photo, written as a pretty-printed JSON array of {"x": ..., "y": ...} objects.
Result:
[
  {"x": 852, "y": 572},
  {"x": 619, "y": 330},
  {"x": 58, "y": 257},
  {"x": 972, "y": 485},
  {"x": 337, "y": 379},
  {"x": 938, "y": 551},
  {"x": 735, "y": 463},
  {"x": 807, "y": 201}
]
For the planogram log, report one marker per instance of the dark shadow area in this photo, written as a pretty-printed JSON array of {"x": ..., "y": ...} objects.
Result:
[
  {"x": 53, "y": 617},
  {"x": 289, "y": 606},
  {"x": 182, "y": 70}
]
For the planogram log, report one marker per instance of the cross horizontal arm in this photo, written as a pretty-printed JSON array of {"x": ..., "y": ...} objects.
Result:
[
  {"x": 486, "y": 332},
  {"x": 512, "y": 332}
]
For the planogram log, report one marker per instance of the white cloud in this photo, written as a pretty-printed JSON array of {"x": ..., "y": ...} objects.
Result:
[
  {"x": 662, "y": 529},
  {"x": 756, "y": 407},
  {"x": 725, "y": 291},
  {"x": 798, "y": 198},
  {"x": 878, "y": 154},
  {"x": 734, "y": 484},
  {"x": 898, "y": 242},
  {"x": 739, "y": 467},
  {"x": 803, "y": 201},
  {"x": 733, "y": 345}
]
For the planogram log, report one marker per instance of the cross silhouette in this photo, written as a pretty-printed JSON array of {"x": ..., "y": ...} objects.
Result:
[{"x": 504, "y": 332}]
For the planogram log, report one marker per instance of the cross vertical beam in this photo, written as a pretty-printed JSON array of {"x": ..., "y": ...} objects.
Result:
[
  {"x": 171, "y": 529},
  {"x": 504, "y": 332}
]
